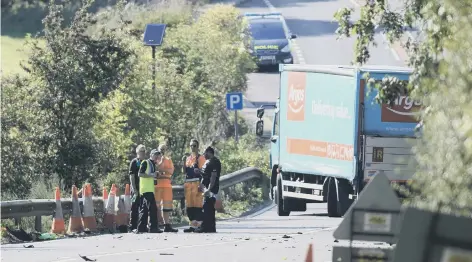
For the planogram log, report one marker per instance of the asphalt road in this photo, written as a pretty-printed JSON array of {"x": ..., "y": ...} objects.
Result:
[{"x": 256, "y": 238}]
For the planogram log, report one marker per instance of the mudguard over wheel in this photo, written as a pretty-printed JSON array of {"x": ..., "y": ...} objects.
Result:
[{"x": 280, "y": 200}]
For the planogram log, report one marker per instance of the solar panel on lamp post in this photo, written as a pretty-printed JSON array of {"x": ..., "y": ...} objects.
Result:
[{"x": 153, "y": 37}]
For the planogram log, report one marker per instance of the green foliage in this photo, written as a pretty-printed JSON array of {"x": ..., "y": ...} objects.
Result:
[
  {"x": 247, "y": 152},
  {"x": 441, "y": 79}
]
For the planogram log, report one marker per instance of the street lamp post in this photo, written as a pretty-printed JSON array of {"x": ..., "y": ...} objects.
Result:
[{"x": 153, "y": 37}]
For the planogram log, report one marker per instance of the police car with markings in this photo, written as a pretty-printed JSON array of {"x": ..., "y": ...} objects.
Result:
[{"x": 270, "y": 38}]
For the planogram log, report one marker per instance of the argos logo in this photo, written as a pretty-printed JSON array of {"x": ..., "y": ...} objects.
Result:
[
  {"x": 404, "y": 109},
  {"x": 296, "y": 96}
]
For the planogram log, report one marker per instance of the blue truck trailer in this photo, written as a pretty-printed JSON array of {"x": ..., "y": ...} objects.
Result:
[{"x": 329, "y": 137}]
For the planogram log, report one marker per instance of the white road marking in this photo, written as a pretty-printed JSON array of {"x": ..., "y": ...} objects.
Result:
[
  {"x": 219, "y": 243},
  {"x": 298, "y": 54},
  {"x": 354, "y": 2},
  {"x": 392, "y": 50}
]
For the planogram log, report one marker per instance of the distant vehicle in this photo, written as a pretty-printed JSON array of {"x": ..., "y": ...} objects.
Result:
[
  {"x": 270, "y": 39},
  {"x": 329, "y": 138}
]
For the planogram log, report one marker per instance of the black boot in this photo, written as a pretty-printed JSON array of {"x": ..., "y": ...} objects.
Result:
[
  {"x": 189, "y": 230},
  {"x": 155, "y": 230},
  {"x": 168, "y": 228}
]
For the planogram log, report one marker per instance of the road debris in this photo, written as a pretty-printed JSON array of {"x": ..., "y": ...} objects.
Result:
[
  {"x": 285, "y": 236},
  {"x": 86, "y": 258},
  {"x": 166, "y": 254},
  {"x": 28, "y": 246}
]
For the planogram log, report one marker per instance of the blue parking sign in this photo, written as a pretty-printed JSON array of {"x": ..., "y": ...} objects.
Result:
[{"x": 234, "y": 101}]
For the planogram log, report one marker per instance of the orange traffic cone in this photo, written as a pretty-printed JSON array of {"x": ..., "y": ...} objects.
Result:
[
  {"x": 121, "y": 217},
  {"x": 58, "y": 225},
  {"x": 127, "y": 199},
  {"x": 219, "y": 205},
  {"x": 309, "y": 254},
  {"x": 109, "y": 214},
  {"x": 105, "y": 198},
  {"x": 75, "y": 222},
  {"x": 89, "y": 220}
]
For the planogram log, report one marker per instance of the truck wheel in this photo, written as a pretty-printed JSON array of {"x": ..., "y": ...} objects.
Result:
[
  {"x": 280, "y": 200},
  {"x": 332, "y": 198},
  {"x": 338, "y": 197}
]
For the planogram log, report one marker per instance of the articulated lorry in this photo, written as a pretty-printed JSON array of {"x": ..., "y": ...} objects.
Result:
[{"x": 329, "y": 137}]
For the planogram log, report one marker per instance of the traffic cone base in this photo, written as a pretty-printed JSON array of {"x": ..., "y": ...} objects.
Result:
[
  {"x": 219, "y": 205},
  {"x": 121, "y": 218},
  {"x": 75, "y": 225}
]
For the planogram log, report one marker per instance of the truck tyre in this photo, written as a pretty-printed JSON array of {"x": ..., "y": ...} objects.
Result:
[
  {"x": 338, "y": 197},
  {"x": 280, "y": 201},
  {"x": 332, "y": 198}
]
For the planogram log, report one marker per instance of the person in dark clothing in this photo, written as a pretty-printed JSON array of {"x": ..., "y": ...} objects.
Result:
[
  {"x": 134, "y": 181},
  {"x": 210, "y": 187},
  {"x": 148, "y": 207}
]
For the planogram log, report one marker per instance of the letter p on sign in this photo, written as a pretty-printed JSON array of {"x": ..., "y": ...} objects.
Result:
[{"x": 234, "y": 101}]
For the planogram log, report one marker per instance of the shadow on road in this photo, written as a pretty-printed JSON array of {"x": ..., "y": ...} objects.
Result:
[
  {"x": 278, "y": 4},
  {"x": 314, "y": 214},
  {"x": 305, "y": 27},
  {"x": 259, "y": 228},
  {"x": 309, "y": 27},
  {"x": 268, "y": 69},
  {"x": 276, "y": 219}
]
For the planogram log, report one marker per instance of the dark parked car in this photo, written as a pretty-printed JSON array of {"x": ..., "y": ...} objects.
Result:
[{"x": 270, "y": 39}]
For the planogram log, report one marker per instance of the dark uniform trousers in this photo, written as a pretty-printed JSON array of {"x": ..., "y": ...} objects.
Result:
[
  {"x": 209, "y": 220},
  {"x": 147, "y": 207},
  {"x": 135, "y": 213}
]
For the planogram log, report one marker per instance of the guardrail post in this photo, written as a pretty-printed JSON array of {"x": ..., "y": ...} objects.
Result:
[
  {"x": 182, "y": 205},
  {"x": 265, "y": 187},
  {"x": 17, "y": 221},
  {"x": 37, "y": 223}
]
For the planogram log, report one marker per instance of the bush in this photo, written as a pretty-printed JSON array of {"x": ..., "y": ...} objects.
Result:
[{"x": 247, "y": 152}]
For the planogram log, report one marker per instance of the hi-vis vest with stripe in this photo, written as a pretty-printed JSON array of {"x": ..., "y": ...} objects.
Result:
[{"x": 146, "y": 184}]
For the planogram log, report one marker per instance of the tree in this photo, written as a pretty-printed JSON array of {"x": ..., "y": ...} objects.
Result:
[
  {"x": 441, "y": 79},
  {"x": 16, "y": 133},
  {"x": 72, "y": 74}
]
